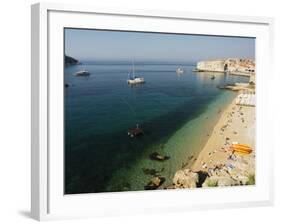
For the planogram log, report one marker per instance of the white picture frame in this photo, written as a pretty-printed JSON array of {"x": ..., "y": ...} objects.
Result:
[{"x": 48, "y": 201}]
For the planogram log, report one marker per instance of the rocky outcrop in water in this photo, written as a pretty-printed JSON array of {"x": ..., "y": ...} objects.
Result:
[
  {"x": 237, "y": 170},
  {"x": 154, "y": 183},
  {"x": 152, "y": 172},
  {"x": 185, "y": 179},
  {"x": 156, "y": 156}
]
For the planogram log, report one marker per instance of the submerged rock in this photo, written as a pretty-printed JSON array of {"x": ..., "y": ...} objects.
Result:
[
  {"x": 185, "y": 179},
  {"x": 152, "y": 171},
  {"x": 154, "y": 183},
  {"x": 158, "y": 157}
]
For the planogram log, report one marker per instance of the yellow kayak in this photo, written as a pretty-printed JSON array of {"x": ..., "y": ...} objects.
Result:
[
  {"x": 241, "y": 149},
  {"x": 242, "y": 152},
  {"x": 242, "y": 145}
]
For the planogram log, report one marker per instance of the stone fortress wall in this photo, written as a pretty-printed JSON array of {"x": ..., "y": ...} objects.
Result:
[
  {"x": 235, "y": 66},
  {"x": 211, "y": 66}
]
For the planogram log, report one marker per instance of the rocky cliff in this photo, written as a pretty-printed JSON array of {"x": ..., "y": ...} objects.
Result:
[{"x": 70, "y": 61}]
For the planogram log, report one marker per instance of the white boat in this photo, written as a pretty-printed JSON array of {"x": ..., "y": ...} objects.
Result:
[
  {"x": 179, "y": 71},
  {"x": 82, "y": 73},
  {"x": 136, "y": 80},
  {"x": 133, "y": 79}
]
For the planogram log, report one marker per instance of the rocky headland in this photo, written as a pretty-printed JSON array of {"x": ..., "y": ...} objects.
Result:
[{"x": 68, "y": 61}]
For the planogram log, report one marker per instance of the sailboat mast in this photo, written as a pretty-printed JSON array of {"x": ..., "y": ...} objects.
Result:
[{"x": 133, "y": 69}]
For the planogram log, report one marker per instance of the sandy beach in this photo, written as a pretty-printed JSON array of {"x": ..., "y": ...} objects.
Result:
[
  {"x": 237, "y": 124},
  {"x": 217, "y": 164}
]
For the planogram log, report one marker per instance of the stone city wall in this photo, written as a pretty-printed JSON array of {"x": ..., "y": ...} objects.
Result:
[{"x": 235, "y": 66}]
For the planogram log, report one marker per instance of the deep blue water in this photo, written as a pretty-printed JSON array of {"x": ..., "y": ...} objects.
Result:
[{"x": 99, "y": 110}]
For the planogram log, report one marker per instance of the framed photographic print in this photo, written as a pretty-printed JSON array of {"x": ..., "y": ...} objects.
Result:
[{"x": 166, "y": 109}]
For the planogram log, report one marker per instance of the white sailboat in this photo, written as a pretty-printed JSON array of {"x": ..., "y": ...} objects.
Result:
[
  {"x": 179, "y": 71},
  {"x": 133, "y": 79}
]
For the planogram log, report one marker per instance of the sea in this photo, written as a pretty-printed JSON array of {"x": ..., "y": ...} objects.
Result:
[{"x": 176, "y": 112}]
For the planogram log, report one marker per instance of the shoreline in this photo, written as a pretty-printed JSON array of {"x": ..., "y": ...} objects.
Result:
[
  {"x": 247, "y": 74},
  {"x": 182, "y": 146},
  {"x": 219, "y": 165},
  {"x": 228, "y": 129}
]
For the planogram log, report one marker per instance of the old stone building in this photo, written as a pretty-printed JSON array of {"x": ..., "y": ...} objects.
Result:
[{"x": 238, "y": 66}]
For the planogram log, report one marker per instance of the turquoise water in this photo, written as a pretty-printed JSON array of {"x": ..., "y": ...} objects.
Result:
[{"x": 176, "y": 113}]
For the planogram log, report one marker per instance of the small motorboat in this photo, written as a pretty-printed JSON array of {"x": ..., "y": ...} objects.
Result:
[{"x": 82, "y": 73}]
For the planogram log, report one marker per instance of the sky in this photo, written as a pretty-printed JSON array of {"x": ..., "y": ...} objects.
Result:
[{"x": 87, "y": 44}]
